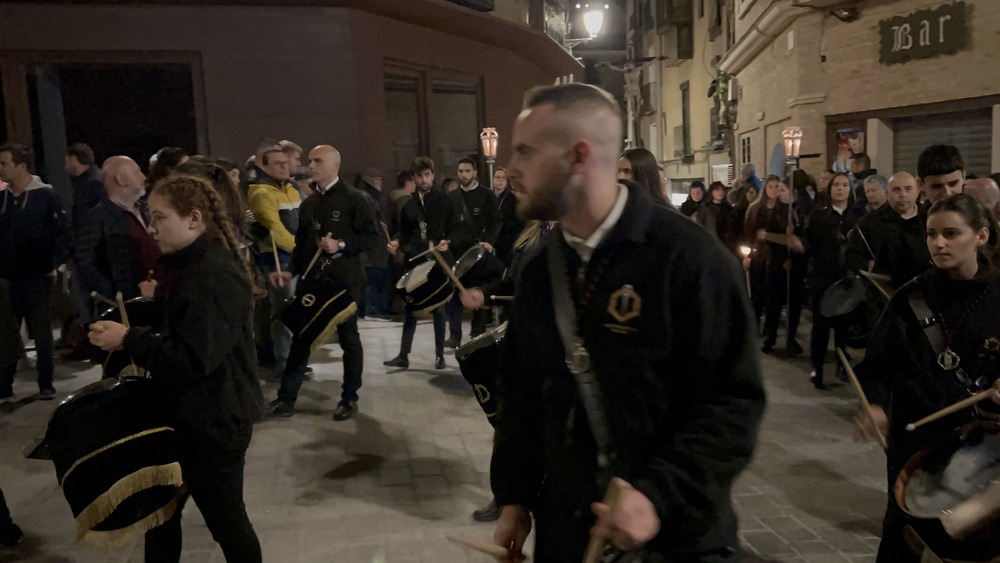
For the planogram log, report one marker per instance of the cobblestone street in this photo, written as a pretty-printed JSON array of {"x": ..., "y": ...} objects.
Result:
[{"x": 409, "y": 469}]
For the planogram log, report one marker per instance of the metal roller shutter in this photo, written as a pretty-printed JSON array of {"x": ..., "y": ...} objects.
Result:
[{"x": 970, "y": 131}]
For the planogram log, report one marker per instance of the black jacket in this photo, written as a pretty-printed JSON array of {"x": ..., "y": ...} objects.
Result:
[
  {"x": 345, "y": 213},
  {"x": 721, "y": 222},
  {"x": 478, "y": 218},
  {"x": 103, "y": 252},
  {"x": 378, "y": 256},
  {"x": 689, "y": 207},
  {"x": 825, "y": 239},
  {"x": 898, "y": 246},
  {"x": 203, "y": 355},
  {"x": 437, "y": 214},
  {"x": 88, "y": 191},
  {"x": 510, "y": 226},
  {"x": 679, "y": 375},
  {"x": 35, "y": 235}
]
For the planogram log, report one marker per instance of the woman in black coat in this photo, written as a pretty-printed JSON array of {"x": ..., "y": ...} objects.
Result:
[
  {"x": 906, "y": 379},
  {"x": 718, "y": 217},
  {"x": 825, "y": 240},
  {"x": 203, "y": 360}
]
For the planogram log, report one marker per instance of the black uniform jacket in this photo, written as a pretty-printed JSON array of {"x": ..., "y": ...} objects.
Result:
[
  {"x": 345, "y": 213},
  {"x": 478, "y": 218},
  {"x": 203, "y": 354},
  {"x": 898, "y": 246},
  {"x": 437, "y": 213},
  {"x": 679, "y": 374},
  {"x": 825, "y": 239},
  {"x": 510, "y": 226}
]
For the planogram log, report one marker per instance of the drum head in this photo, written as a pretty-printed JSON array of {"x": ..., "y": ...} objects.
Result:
[
  {"x": 842, "y": 297},
  {"x": 488, "y": 338},
  {"x": 417, "y": 276},
  {"x": 953, "y": 474},
  {"x": 468, "y": 260}
]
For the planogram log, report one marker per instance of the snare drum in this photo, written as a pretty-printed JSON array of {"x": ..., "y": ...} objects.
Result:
[
  {"x": 141, "y": 311},
  {"x": 480, "y": 362},
  {"x": 477, "y": 267},
  {"x": 425, "y": 287},
  {"x": 320, "y": 305},
  {"x": 117, "y": 459},
  {"x": 845, "y": 304},
  {"x": 951, "y": 492}
]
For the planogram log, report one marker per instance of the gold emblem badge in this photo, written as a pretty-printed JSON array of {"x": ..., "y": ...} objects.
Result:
[
  {"x": 482, "y": 393},
  {"x": 625, "y": 304},
  {"x": 309, "y": 300}
]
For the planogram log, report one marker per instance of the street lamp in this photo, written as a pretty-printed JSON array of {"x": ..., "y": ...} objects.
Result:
[
  {"x": 793, "y": 143},
  {"x": 593, "y": 20},
  {"x": 489, "y": 139},
  {"x": 793, "y": 146}
]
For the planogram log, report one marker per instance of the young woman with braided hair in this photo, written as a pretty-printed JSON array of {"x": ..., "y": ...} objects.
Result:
[{"x": 203, "y": 358}]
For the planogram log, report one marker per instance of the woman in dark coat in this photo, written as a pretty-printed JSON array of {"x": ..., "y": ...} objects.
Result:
[
  {"x": 905, "y": 378},
  {"x": 757, "y": 215},
  {"x": 203, "y": 360},
  {"x": 825, "y": 240},
  {"x": 718, "y": 217},
  {"x": 696, "y": 195},
  {"x": 639, "y": 166}
]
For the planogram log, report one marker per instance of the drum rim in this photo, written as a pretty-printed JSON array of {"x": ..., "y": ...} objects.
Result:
[
  {"x": 428, "y": 266},
  {"x": 488, "y": 338},
  {"x": 477, "y": 251}
]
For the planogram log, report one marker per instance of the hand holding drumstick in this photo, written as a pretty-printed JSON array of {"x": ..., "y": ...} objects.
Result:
[{"x": 147, "y": 288}]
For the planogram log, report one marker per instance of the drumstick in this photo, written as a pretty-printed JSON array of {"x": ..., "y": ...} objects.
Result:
[
  {"x": 495, "y": 551},
  {"x": 315, "y": 257},
  {"x": 149, "y": 276},
  {"x": 502, "y": 297},
  {"x": 421, "y": 255},
  {"x": 865, "y": 405},
  {"x": 124, "y": 315},
  {"x": 103, "y": 299},
  {"x": 961, "y": 405},
  {"x": 385, "y": 229},
  {"x": 596, "y": 546},
  {"x": 447, "y": 270}
]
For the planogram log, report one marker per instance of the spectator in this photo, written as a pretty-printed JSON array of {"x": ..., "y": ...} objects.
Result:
[
  {"x": 718, "y": 217},
  {"x": 941, "y": 172},
  {"x": 449, "y": 185},
  {"x": 377, "y": 294},
  {"x": 875, "y": 192},
  {"x": 166, "y": 159},
  {"x": 861, "y": 168},
  {"x": 639, "y": 166},
  {"x": 696, "y": 193},
  {"x": 986, "y": 192},
  {"x": 86, "y": 181},
  {"x": 749, "y": 176}
]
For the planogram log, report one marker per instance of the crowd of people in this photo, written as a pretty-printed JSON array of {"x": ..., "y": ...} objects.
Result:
[{"x": 607, "y": 278}]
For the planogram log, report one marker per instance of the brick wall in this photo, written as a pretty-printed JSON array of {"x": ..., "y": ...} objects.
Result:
[{"x": 798, "y": 86}]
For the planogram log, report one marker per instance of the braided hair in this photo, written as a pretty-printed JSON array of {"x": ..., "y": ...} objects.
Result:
[{"x": 187, "y": 193}]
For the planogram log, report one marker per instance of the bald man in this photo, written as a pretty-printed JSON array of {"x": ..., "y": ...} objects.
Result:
[
  {"x": 337, "y": 222},
  {"x": 986, "y": 192},
  {"x": 891, "y": 239},
  {"x": 113, "y": 251},
  {"x": 671, "y": 396}
]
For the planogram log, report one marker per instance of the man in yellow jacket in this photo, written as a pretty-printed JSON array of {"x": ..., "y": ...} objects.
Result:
[{"x": 275, "y": 203}]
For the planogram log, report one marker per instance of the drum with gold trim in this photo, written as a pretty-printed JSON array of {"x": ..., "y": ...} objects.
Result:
[
  {"x": 425, "y": 287},
  {"x": 480, "y": 362},
  {"x": 320, "y": 305},
  {"x": 117, "y": 459}
]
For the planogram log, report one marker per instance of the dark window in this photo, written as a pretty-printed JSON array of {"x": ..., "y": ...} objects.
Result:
[
  {"x": 686, "y": 116},
  {"x": 701, "y": 8},
  {"x": 685, "y": 42},
  {"x": 745, "y": 150}
]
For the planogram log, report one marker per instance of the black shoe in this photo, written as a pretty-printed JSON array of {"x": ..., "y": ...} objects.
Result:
[
  {"x": 345, "y": 410},
  {"x": 400, "y": 361},
  {"x": 453, "y": 342},
  {"x": 47, "y": 394},
  {"x": 309, "y": 372},
  {"x": 439, "y": 363},
  {"x": 816, "y": 378},
  {"x": 11, "y": 536},
  {"x": 488, "y": 513},
  {"x": 281, "y": 409},
  {"x": 768, "y": 347},
  {"x": 793, "y": 349}
]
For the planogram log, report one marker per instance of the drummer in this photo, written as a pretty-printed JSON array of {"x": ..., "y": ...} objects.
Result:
[
  {"x": 427, "y": 218},
  {"x": 918, "y": 371},
  {"x": 825, "y": 239},
  {"x": 203, "y": 359},
  {"x": 337, "y": 218}
]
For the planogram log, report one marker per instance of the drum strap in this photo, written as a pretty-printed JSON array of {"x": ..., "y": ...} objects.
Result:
[
  {"x": 467, "y": 217},
  {"x": 927, "y": 321},
  {"x": 578, "y": 359}
]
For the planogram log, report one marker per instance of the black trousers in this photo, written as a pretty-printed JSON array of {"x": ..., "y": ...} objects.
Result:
[
  {"x": 30, "y": 301},
  {"x": 410, "y": 328},
  {"x": 821, "y": 328},
  {"x": 298, "y": 359},
  {"x": 215, "y": 482},
  {"x": 777, "y": 296}
]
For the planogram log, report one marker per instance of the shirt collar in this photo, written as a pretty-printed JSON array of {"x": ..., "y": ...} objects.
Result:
[
  {"x": 327, "y": 187},
  {"x": 471, "y": 187},
  {"x": 586, "y": 247}
]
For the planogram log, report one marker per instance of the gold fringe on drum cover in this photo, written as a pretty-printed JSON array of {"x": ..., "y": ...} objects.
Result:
[
  {"x": 334, "y": 323},
  {"x": 104, "y": 505}
]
